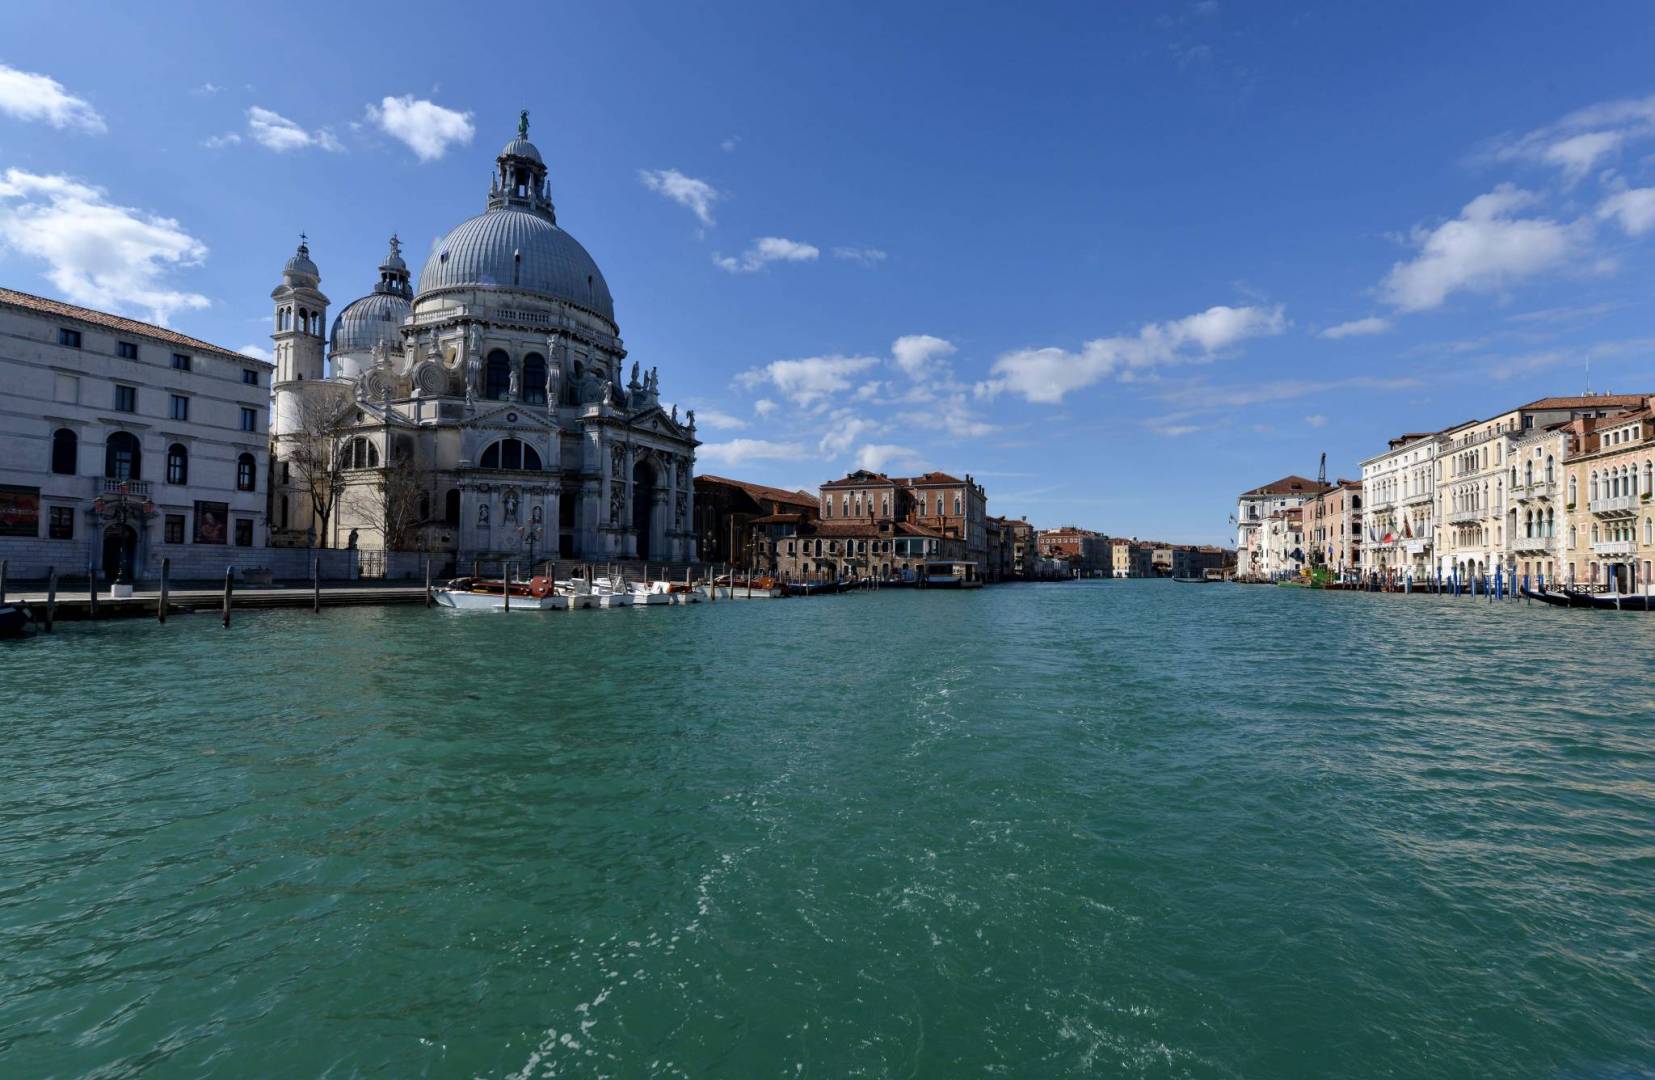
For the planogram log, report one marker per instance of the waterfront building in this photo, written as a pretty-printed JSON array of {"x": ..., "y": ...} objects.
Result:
[
  {"x": 1281, "y": 544},
  {"x": 1085, "y": 552},
  {"x": 1253, "y": 509},
  {"x": 1000, "y": 557},
  {"x": 482, "y": 412},
  {"x": 1400, "y": 518},
  {"x": 1333, "y": 528},
  {"x": 1189, "y": 560},
  {"x": 951, "y": 507},
  {"x": 125, "y": 440},
  {"x": 1160, "y": 560},
  {"x": 1025, "y": 550},
  {"x": 725, "y": 510},
  {"x": 1474, "y": 500},
  {"x": 1537, "y": 482},
  {"x": 1611, "y": 517},
  {"x": 795, "y": 548}
]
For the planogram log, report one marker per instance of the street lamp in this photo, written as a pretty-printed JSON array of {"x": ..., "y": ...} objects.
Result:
[
  {"x": 528, "y": 535},
  {"x": 121, "y": 509}
]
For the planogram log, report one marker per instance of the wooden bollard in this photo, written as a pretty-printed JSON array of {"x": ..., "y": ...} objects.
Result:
[
  {"x": 229, "y": 587},
  {"x": 2, "y": 581},
  {"x": 92, "y": 588},
  {"x": 428, "y": 581},
  {"x": 505, "y": 585},
  {"x": 316, "y": 585},
  {"x": 51, "y": 596},
  {"x": 161, "y": 604}
]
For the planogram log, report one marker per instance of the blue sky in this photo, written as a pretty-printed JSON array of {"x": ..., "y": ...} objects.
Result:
[{"x": 1119, "y": 262}]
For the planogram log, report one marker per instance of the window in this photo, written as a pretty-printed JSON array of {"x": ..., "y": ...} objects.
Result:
[
  {"x": 511, "y": 454},
  {"x": 178, "y": 464},
  {"x": 126, "y": 398},
  {"x": 246, "y": 473},
  {"x": 287, "y": 473},
  {"x": 534, "y": 379},
  {"x": 497, "y": 375},
  {"x": 122, "y": 457},
  {"x": 65, "y": 452},
  {"x": 249, "y": 376},
  {"x": 61, "y": 524},
  {"x": 362, "y": 454},
  {"x": 244, "y": 532},
  {"x": 173, "y": 531},
  {"x": 179, "y": 407},
  {"x": 70, "y": 338},
  {"x": 180, "y": 362},
  {"x": 126, "y": 350},
  {"x": 451, "y": 507},
  {"x": 249, "y": 419}
]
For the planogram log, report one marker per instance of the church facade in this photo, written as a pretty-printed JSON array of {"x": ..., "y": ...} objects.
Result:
[{"x": 484, "y": 411}]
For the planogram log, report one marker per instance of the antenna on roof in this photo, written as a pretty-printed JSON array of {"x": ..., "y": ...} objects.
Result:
[{"x": 1321, "y": 473}]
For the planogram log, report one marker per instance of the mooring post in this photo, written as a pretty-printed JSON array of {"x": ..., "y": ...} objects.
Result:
[
  {"x": 92, "y": 587},
  {"x": 505, "y": 585},
  {"x": 316, "y": 585},
  {"x": 2, "y": 581},
  {"x": 428, "y": 581},
  {"x": 229, "y": 584},
  {"x": 51, "y": 596},
  {"x": 161, "y": 603}
]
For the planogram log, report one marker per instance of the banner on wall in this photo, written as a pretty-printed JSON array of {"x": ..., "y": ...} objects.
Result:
[
  {"x": 19, "y": 510},
  {"x": 212, "y": 522}
]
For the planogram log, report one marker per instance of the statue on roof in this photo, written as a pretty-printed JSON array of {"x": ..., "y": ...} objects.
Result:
[{"x": 523, "y": 124}]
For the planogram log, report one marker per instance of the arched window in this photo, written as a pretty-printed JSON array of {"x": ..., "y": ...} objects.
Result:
[
  {"x": 451, "y": 507},
  {"x": 247, "y": 474},
  {"x": 1573, "y": 490},
  {"x": 1592, "y": 488},
  {"x": 362, "y": 454},
  {"x": 497, "y": 375},
  {"x": 511, "y": 454},
  {"x": 178, "y": 464},
  {"x": 123, "y": 459},
  {"x": 534, "y": 379},
  {"x": 1548, "y": 468},
  {"x": 65, "y": 451}
]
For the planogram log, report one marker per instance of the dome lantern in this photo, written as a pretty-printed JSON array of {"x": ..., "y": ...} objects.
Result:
[
  {"x": 520, "y": 176},
  {"x": 393, "y": 273}
]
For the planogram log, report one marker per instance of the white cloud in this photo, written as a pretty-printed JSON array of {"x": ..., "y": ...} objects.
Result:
[
  {"x": 867, "y": 256},
  {"x": 1485, "y": 249},
  {"x": 1577, "y": 154},
  {"x": 97, "y": 253},
  {"x": 810, "y": 380},
  {"x": 1373, "y": 324},
  {"x": 766, "y": 250},
  {"x": 764, "y": 406},
  {"x": 723, "y": 421},
  {"x": 1045, "y": 375},
  {"x": 742, "y": 451},
  {"x": 424, "y": 127},
  {"x": 29, "y": 96},
  {"x": 1316, "y": 420},
  {"x": 273, "y": 131},
  {"x": 218, "y": 142},
  {"x": 696, "y": 195},
  {"x": 730, "y": 143},
  {"x": 914, "y": 353},
  {"x": 843, "y": 433},
  {"x": 880, "y": 456},
  {"x": 1633, "y": 210},
  {"x": 257, "y": 352},
  {"x": 1581, "y": 139},
  {"x": 206, "y": 89}
]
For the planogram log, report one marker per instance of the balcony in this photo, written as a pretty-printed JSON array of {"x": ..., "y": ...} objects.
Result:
[
  {"x": 1532, "y": 543},
  {"x": 1538, "y": 491},
  {"x": 106, "y": 485},
  {"x": 1613, "y": 547},
  {"x": 1418, "y": 497},
  {"x": 1465, "y": 517},
  {"x": 1618, "y": 506}
]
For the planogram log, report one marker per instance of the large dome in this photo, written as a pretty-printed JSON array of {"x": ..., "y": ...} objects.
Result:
[
  {"x": 367, "y": 322},
  {"x": 507, "y": 248}
]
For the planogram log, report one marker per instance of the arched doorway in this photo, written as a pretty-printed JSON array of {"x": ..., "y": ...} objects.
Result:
[
  {"x": 643, "y": 505},
  {"x": 115, "y": 537}
]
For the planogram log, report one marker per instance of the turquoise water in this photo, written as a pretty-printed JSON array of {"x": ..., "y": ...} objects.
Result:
[{"x": 1103, "y": 829}]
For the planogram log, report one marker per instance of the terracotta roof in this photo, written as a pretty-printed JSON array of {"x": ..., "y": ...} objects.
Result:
[
  {"x": 763, "y": 491},
  {"x": 120, "y": 324},
  {"x": 1288, "y": 485},
  {"x": 931, "y": 478},
  {"x": 861, "y": 478},
  {"x": 1587, "y": 401},
  {"x": 779, "y": 519}
]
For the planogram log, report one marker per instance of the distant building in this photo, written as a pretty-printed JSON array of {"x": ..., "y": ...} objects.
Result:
[
  {"x": 1025, "y": 549},
  {"x": 795, "y": 548},
  {"x": 954, "y": 508},
  {"x": 1399, "y": 488},
  {"x": 120, "y": 439},
  {"x": 1086, "y": 552},
  {"x": 1253, "y": 509},
  {"x": 1281, "y": 553},
  {"x": 725, "y": 510},
  {"x": 1160, "y": 560},
  {"x": 1333, "y": 529},
  {"x": 1000, "y": 549},
  {"x": 1190, "y": 561}
]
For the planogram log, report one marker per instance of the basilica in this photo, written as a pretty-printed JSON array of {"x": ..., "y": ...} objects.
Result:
[{"x": 486, "y": 412}]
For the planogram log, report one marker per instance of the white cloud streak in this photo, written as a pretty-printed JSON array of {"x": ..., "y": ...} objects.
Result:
[
  {"x": 808, "y": 381},
  {"x": 1633, "y": 210},
  {"x": 743, "y": 451},
  {"x": 867, "y": 256},
  {"x": 426, "y": 128},
  {"x": 1486, "y": 249},
  {"x": 96, "y": 252},
  {"x": 915, "y": 353},
  {"x": 697, "y": 196},
  {"x": 766, "y": 250},
  {"x": 1373, "y": 324},
  {"x": 273, "y": 131},
  {"x": 33, "y": 97}
]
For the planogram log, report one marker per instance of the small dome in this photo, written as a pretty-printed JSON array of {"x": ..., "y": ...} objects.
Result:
[
  {"x": 523, "y": 148},
  {"x": 507, "y": 248},
  {"x": 300, "y": 266},
  {"x": 372, "y": 320}
]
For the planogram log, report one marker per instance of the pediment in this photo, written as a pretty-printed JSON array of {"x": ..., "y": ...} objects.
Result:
[
  {"x": 658, "y": 421},
  {"x": 512, "y": 415}
]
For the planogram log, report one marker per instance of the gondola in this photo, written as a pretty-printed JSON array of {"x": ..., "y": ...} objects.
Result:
[
  {"x": 1556, "y": 599},
  {"x": 14, "y": 620},
  {"x": 1196, "y": 580},
  {"x": 1623, "y": 602}
]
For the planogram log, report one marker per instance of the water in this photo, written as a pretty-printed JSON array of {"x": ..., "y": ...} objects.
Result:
[{"x": 1105, "y": 829}]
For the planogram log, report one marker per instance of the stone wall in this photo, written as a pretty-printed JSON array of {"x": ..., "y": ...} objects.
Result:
[{"x": 27, "y": 560}]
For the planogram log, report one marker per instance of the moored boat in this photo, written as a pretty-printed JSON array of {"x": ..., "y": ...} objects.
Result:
[
  {"x": 14, "y": 620},
  {"x": 482, "y": 594}
]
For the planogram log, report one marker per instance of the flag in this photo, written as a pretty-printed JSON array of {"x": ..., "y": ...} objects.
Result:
[
  {"x": 1388, "y": 538},
  {"x": 1407, "y": 533}
]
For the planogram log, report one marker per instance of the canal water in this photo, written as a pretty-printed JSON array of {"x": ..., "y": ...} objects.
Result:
[{"x": 1087, "y": 829}]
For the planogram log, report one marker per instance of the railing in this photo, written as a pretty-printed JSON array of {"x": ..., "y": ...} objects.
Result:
[
  {"x": 1613, "y": 547},
  {"x": 1619, "y": 504},
  {"x": 107, "y": 485},
  {"x": 1533, "y": 543},
  {"x": 1418, "y": 497},
  {"x": 1465, "y": 517},
  {"x": 1540, "y": 489}
]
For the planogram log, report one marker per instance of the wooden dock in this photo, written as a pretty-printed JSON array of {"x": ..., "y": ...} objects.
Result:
[{"x": 74, "y": 605}]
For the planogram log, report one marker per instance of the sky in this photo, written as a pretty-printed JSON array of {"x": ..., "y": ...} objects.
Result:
[{"x": 1118, "y": 262}]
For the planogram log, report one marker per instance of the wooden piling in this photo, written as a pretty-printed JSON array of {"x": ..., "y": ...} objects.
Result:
[
  {"x": 428, "y": 581},
  {"x": 92, "y": 588},
  {"x": 505, "y": 585},
  {"x": 51, "y": 596},
  {"x": 161, "y": 603},
  {"x": 316, "y": 585},
  {"x": 229, "y": 587},
  {"x": 2, "y": 581}
]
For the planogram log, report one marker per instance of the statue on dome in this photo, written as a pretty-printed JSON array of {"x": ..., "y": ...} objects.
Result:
[{"x": 523, "y": 124}]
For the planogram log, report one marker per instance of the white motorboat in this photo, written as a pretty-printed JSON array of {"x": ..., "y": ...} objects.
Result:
[{"x": 471, "y": 594}]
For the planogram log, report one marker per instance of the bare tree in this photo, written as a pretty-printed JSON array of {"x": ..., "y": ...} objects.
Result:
[
  {"x": 390, "y": 496},
  {"x": 315, "y": 451}
]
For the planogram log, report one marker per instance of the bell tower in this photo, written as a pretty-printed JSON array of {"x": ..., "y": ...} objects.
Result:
[{"x": 300, "y": 323}]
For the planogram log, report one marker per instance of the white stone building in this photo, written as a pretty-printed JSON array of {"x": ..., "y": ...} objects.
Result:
[
  {"x": 1254, "y": 508},
  {"x": 123, "y": 441},
  {"x": 490, "y": 413},
  {"x": 1538, "y": 518},
  {"x": 1401, "y": 520},
  {"x": 1281, "y": 540}
]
